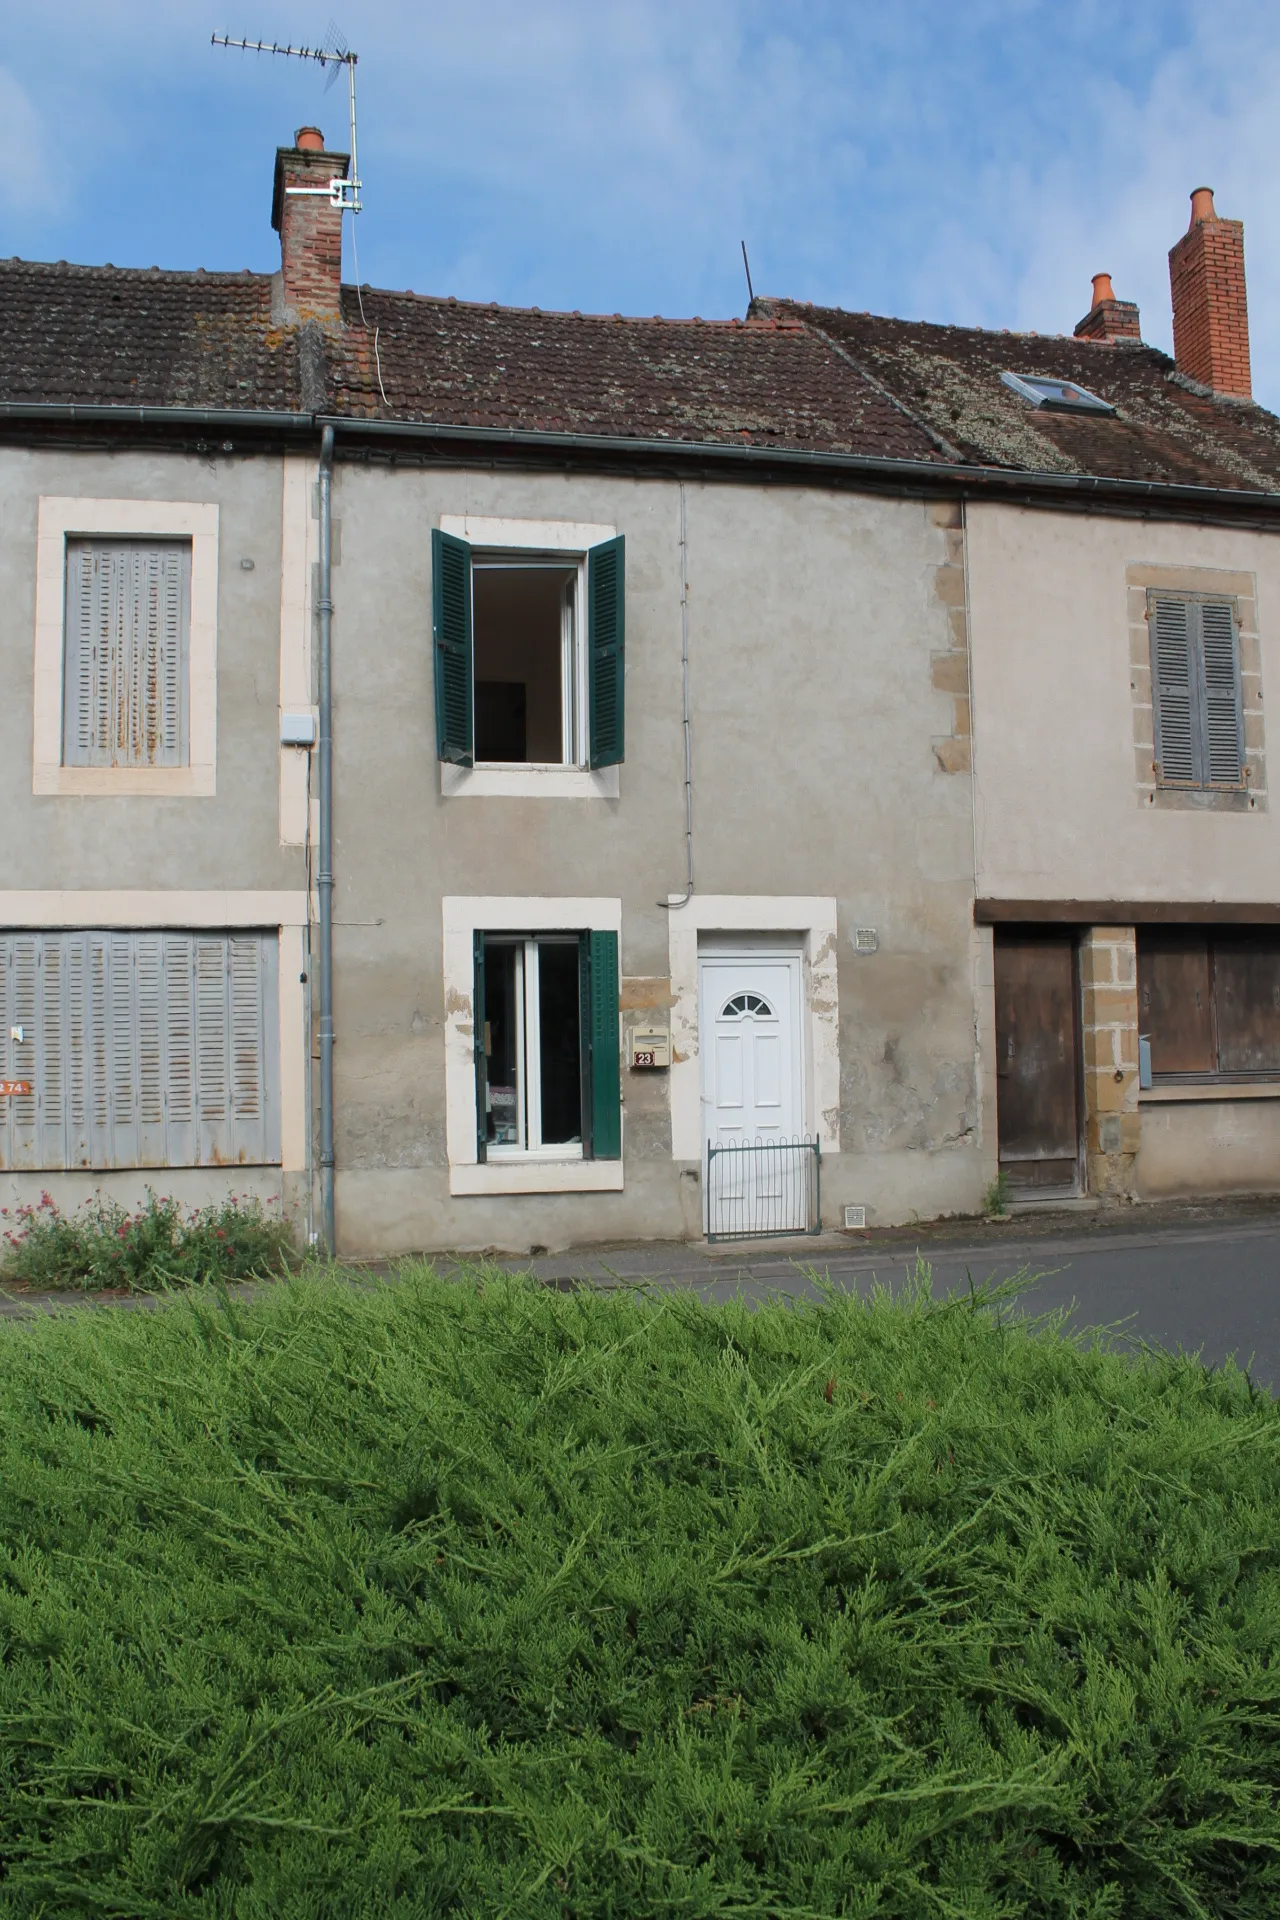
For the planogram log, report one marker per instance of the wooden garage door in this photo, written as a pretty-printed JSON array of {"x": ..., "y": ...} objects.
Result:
[{"x": 1037, "y": 1070}]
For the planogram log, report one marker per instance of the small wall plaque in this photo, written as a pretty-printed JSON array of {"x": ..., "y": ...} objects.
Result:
[
  {"x": 855, "y": 1218},
  {"x": 650, "y": 1047},
  {"x": 865, "y": 940}
]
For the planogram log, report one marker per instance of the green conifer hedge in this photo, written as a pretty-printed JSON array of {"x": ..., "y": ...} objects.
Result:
[{"x": 476, "y": 1598}]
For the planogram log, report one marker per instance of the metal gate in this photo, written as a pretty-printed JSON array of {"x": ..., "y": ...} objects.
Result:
[{"x": 758, "y": 1189}]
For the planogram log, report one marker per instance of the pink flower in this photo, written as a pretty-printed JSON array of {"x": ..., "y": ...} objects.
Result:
[{"x": 220, "y": 1234}]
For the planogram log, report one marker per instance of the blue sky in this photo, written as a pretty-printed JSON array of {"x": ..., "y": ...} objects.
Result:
[{"x": 973, "y": 162}]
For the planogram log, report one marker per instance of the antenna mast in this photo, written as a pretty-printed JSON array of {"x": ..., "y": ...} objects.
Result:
[{"x": 333, "y": 54}]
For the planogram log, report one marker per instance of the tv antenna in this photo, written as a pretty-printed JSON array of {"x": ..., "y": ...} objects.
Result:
[{"x": 333, "y": 56}]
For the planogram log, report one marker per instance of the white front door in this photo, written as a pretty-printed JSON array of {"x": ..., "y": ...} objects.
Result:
[{"x": 752, "y": 1089}]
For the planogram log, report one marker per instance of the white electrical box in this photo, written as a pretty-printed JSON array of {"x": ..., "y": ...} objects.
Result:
[
  {"x": 298, "y": 728},
  {"x": 855, "y": 1219},
  {"x": 650, "y": 1047}
]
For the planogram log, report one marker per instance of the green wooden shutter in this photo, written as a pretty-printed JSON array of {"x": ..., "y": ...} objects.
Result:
[
  {"x": 477, "y": 1028},
  {"x": 1172, "y": 688},
  {"x": 606, "y": 1089},
  {"x": 606, "y": 652},
  {"x": 451, "y": 625},
  {"x": 1223, "y": 761}
]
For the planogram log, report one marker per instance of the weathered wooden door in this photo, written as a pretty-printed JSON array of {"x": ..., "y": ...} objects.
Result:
[{"x": 1037, "y": 1071}]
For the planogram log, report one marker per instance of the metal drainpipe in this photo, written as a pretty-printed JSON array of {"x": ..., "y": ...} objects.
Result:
[{"x": 324, "y": 877}]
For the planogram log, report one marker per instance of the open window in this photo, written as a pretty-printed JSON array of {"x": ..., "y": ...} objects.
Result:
[
  {"x": 529, "y": 654},
  {"x": 546, "y": 1046}
]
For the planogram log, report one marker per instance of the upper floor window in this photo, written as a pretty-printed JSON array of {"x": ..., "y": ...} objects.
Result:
[
  {"x": 1196, "y": 694},
  {"x": 529, "y": 653},
  {"x": 126, "y": 647},
  {"x": 127, "y": 629}
]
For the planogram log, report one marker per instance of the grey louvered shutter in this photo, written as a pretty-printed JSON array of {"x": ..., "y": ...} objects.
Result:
[
  {"x": 52, "y": 1114},
  {"x": 1173, "y": 689},
  {"x": 606, "y": 652},
  {"x": 24, "y": 1054},
  {"x": 212, "y": 1103},
  {"x": 1223, "y": 761},
  {"x": 123, "y": 1042},
  {"x": 100, "y": 1137},
  {"x": 127, "y": 642},
  {"x": 79, "y": 1053},
  {"x": 252, "y": 996},
  {"x": 150, "y": 986},
  {"x": 451, "y": 625},
  {"x": 180, "y": 1057}
]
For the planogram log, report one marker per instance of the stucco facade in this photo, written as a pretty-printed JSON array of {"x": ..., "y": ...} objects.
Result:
[
  {"x": 815, "y": 617},
  {"x": 1073, "y": 829}
]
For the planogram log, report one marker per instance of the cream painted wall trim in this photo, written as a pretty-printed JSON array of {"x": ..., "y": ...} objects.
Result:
[
  {"x": 287, "y": 912},
  {"x": 528, "y": 783},
  {"x": 128, "y": 519},
  {"x": 813, "y": 920},
  {"x": 464, "y": 916},
  {"x": 539, "y": 536},
  {"x": 146, "y": 907},
  {"x": 299, "y": 544}
]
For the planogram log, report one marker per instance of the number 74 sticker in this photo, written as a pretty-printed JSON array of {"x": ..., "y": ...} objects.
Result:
[{"x": 14, "y": 1088}]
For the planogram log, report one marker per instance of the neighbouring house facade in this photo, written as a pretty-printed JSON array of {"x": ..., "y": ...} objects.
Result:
[{"x": 738, "y": 739}]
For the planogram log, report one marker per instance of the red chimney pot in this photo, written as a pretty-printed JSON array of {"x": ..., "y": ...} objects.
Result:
[
  {"x": 310, "y": 139},
  {"x": 1201, "y": 206}
]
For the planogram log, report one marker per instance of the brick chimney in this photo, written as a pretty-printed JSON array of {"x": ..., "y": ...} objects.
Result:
[
  {"x": 310, "y": 228},
  {"x": 1210, "y": 314},
  {"x": 1108, "y": 318}
]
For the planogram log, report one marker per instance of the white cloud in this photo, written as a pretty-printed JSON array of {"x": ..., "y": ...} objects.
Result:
[{"x": 34, "y": 182}]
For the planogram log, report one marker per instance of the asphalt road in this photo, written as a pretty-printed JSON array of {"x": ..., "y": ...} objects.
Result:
[
  {"x": 1203, "y": 1278},
  {"x": 1212, "y": 1290}
]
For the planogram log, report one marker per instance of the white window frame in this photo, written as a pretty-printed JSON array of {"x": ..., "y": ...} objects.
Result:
[
  {"x": 559, "y": 1169},
  {"x": 529, "y": 1144},
  {"x": 571, "y": 779},
  {"x": 812, "y": 920},
  {"x": 62, "y": 518}
]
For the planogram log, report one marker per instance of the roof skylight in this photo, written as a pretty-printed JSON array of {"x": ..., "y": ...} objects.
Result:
[{"x": 1055, "y": 396}]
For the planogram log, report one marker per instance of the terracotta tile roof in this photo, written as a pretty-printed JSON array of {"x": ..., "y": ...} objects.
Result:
[
  {"x": 194, "y": 339},
  {"x": 792, "y": 377},
  {"x": 121, "y": 336},
  {"x": 1164, "y": 428}
]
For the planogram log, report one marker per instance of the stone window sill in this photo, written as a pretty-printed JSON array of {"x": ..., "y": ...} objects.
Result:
[
  {"x": 528, "y": 783},
  {"x": 1210, "y": 1090},
  {"x": 527, "y": 1175}
]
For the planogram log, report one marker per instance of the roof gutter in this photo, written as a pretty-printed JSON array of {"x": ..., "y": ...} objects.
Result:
[
  {"x": 99, "y": 413},
  {"x": 1081, "y": 492}
]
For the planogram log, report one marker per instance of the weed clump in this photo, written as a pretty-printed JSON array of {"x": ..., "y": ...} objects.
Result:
[
  {"x": 161, "y": 1245},
  {"x": 475, "y": 1598}
]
